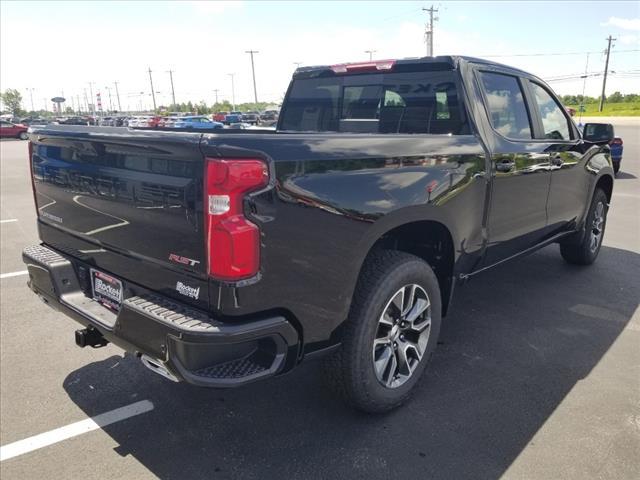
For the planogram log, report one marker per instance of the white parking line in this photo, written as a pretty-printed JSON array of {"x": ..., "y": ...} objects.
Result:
[
  {"x": 13, "y": 274},
  {"x": 63, "y": 433},
  {"x": 10, "y": 220}
]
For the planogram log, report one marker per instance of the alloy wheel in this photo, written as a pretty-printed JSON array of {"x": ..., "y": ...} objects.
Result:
[{"x": 402, "y": 335}]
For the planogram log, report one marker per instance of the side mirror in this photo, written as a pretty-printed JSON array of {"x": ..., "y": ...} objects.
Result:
[{"x": 598, "y": 132}]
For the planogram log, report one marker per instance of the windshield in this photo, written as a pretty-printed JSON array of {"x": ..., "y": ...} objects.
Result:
[{"x": 411, "y": 102}]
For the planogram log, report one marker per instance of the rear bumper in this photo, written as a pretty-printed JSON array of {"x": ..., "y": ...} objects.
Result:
[{"x": 190, "y": 344}]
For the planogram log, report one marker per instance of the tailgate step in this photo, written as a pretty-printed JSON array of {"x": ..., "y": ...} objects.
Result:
[{"x": 172, "y": 313}]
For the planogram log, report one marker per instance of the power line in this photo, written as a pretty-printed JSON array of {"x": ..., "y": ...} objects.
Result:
[{"x": 547, "y": 54}]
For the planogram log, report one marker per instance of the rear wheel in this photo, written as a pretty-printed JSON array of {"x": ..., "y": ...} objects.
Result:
[
  {"x": 390, "y": 334},
  {"x": 586, "y": 250},
  {"x": 23, "y": 136}
]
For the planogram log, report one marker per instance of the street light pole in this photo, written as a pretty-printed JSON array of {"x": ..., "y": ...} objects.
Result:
[
  {"x": 233, "y": 91},
  {"x": 370, "y": 52},
  {"x": 215, "y": 90},
  {"x": 31, "y": 95},
  {"x": 253, "y": 72}
]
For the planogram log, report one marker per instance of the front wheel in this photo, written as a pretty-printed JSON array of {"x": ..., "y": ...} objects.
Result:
[
  {"x": 390, "y": 335},
  {"x": 586, "y": 250},
  {"x": 23, "y": 136}
]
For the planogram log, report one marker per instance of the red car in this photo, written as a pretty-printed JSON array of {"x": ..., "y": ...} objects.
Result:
[
  {"x": 220, "y": 117},
  {"x": 13, "y": 130}
]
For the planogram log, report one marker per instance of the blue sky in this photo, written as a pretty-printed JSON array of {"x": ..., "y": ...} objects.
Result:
[{"x": 60, "y": 46}]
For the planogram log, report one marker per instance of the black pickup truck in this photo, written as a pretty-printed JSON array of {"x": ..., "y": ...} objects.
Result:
[{"x": 220, "y": 259}]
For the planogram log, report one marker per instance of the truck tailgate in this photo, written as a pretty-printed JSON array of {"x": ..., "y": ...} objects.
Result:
[{"x": 118, "y": 198}]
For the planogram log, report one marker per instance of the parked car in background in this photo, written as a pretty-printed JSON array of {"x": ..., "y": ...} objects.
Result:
[
  {"x": 616, "y": 146},
  {"x": 154, "y": 121},
  {"x": 107, "y": 122},
  {"x": 13, "y": 130},
  {"x": 140, "y": 121},
  {"x": 73, "y": 120},
  {"x": 233, "y": 117},
  {"x": 604, "y": 133},
  {"x": 252, "y": 118},
  {"x": 197, "y": 122},
  {"x": 220, "y": 117},
  {"x": 34, "y": 121},
  {"x": 168, "y": 122},
  {"x": 269, "y": 115}
]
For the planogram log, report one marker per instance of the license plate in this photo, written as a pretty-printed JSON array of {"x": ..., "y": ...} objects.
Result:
[{"x": 107, "y": 290}]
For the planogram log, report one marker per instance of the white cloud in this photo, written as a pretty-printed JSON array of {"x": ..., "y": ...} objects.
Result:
[{"x": 623, "y": 23}]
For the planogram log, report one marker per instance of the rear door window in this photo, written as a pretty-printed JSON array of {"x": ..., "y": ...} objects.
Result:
[{"x": 506, "y": 105}]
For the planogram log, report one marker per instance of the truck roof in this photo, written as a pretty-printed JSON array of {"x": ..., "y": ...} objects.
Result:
[{"x": 439, "y": 62}]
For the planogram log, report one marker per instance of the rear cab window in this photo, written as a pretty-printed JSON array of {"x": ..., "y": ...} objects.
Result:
[{"x": 402, "y": 102}]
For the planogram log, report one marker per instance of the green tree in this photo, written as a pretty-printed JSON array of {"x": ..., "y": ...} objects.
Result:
[
  {"x": 12, "y": 101},
  {"x": 615, "y": 97}
]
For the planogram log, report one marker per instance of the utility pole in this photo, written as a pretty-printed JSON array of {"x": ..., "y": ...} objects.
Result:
[
  {"x": 297, "y": 64},
  {"x": 428, "y": 34},
  {"x": 233, "y": 91},
  {"x": 78, "y": 104},
  {"x": 118, "y": 96},
  {"x": 44, "y": 102},
  {"x": 370, "y": 52},
  {"x": 173, "y": 93},
  {"x": 86, "y": 100},
  {"x": 110, "y": 102},
  {"x": 92, "y": 107},
  {"x": 31, "y": 94},
  {"x": 153, "y": 94},
  {"x": 215, "y": 90},
  {"x": 253, "y": 72},
  {"x": 606, "y": 70}
]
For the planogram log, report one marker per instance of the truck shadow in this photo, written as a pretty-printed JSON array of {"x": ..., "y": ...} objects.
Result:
[{"x": 517, "y": 340}]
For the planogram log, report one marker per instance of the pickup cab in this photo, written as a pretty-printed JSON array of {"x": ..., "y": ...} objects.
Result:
[{"x": 223, "y": 258}]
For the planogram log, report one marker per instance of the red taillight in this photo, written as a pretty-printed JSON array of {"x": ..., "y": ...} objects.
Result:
[
  {"x": 363, "y": 66},
  {"x": 233, "y": 242},
  {"x": 616, "y": 141}
]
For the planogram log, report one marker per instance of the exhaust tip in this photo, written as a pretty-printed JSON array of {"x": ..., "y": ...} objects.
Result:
[{"x": 158, "y": 367}]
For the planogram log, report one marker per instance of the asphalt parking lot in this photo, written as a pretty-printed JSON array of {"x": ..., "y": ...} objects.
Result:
[{"x": 537, "y": 376}]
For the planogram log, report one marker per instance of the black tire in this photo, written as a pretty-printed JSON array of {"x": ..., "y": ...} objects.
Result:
[
  {"x": 582, "y": 251},
  {"x": 23, "y": 136},
  {"x": 350, "y": 370}
]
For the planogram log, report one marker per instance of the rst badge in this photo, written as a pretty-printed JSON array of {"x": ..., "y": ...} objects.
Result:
[{"x": 183, "y": 260}]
